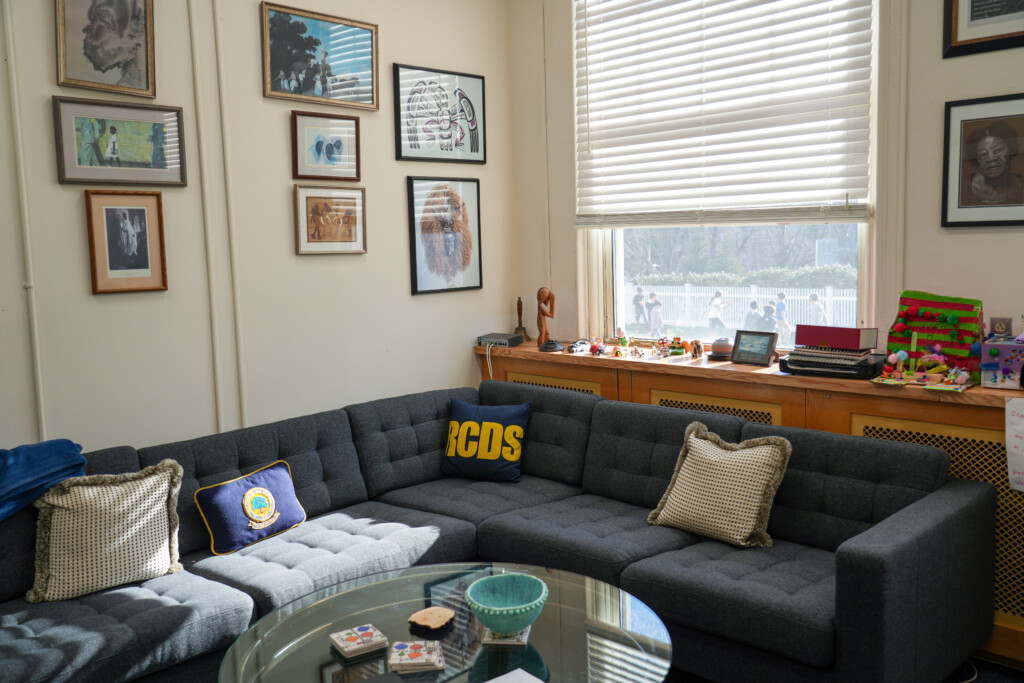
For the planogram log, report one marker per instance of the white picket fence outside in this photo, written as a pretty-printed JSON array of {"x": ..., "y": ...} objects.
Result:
[{"x": 687, "y": 305}]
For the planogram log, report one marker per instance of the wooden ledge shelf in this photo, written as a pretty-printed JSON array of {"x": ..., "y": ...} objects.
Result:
[{"x": 969, "y": 426}]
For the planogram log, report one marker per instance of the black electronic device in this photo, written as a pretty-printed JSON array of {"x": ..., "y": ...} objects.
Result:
[
  {"x": 500, "y": 339},
  {"x": 869, "y": 368}
]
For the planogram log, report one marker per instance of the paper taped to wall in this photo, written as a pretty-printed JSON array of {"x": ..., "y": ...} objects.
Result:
[{"x": 1015, "y": 442}]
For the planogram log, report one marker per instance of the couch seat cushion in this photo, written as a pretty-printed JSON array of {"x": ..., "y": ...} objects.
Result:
[
  {"x": 476, "y": 501},
  {"x": 326, "y": 550},
  {"x": 120, "y": 633},
  {"x": 586, "y": 534},
  {"x": 780, "y": 599}
]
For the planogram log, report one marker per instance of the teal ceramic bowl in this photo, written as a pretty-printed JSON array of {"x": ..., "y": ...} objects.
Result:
[{"x": 507, "y": 603}]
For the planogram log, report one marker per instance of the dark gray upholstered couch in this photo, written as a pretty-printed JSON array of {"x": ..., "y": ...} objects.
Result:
[{"x": 881, "y": 568}]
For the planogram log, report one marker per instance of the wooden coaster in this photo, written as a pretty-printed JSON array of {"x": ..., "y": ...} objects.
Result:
[{"x": 432, "y": 617}]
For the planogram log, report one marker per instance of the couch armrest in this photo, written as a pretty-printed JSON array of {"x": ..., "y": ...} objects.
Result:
[{"x": 914, "y": 592}]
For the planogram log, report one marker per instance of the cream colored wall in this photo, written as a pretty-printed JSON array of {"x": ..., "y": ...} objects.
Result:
[
  {"x": 313, "y": 332},
  {"x": 985, "y": 263},
  {"x": 914, "y": 252}
]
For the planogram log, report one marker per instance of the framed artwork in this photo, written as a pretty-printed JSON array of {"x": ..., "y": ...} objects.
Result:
[
  {"x": 126, "y": 241},
  {"x": 120, "y": 144},
  {"x": 439, "y": 116},
  {"x": 444, "y": 234},
  {"x": 973, "y": 26},
  {"x": 330, "y": 220},
  {"x": 982, "y": 166},
  {"x": 754, "y": 348},
  {"x": 106, "y": 46},
  {"x": 315, "y": 57},
  {"x": 325, "y": 146}
]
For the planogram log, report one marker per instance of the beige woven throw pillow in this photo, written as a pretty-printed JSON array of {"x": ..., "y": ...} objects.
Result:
[
  {"x": 723, "y": 490},
  {"x": 106, "y": 530}
]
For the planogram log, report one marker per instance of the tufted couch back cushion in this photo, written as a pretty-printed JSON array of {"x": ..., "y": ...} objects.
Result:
[
  {"x": 401, "y": 440},
  {"x": 837, "y": 486},
  {"x": 558, "y": 430},
  {"x": 634, "y": 448},
  {"x": 318, "y": 449},
  {"x": 18, "y": 532}
]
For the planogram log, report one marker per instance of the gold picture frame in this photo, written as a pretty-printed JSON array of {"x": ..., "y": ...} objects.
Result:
[
  {"x": 345, "y": 77},
  {"x": 110, "y": 50}
]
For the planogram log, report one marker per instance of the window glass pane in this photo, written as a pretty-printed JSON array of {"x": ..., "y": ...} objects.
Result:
[{"x": 707, "y": 282}]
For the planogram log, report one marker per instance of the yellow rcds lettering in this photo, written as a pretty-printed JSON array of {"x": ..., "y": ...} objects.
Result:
[
  {"x": 453, "y": 436},
  {"x": 514, "y": 449},
  {"x": 468, "y": 433},
  {"x": 490, "y": 441}
]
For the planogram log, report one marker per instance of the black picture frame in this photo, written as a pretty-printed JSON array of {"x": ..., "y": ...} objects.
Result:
[
  {"x": 422, "y": 133},
  {"x": 992, "y": 36},
  {"x": 971, "y": 195},
  {"x": 443, "y": 213},
  {"x": 754, "y": 348}
]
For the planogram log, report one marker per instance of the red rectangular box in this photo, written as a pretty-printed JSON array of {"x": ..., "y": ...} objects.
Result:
[{"x": 846, "y": 338}]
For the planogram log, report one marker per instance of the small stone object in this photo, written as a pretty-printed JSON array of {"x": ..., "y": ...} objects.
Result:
[{"x": 432, "y": 618}]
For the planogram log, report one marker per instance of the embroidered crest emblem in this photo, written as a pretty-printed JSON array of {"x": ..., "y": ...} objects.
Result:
[{"x": 259, "y": 506}]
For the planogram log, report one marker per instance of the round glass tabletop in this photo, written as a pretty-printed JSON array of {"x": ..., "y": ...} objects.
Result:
[{"x": 587, "y": 632}]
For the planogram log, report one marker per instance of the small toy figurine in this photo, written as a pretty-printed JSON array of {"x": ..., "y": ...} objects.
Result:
[
  {"x": 596, "y": 349},
  {"x": 636, "y": 352},
  {"x": 520, "y": 329},
  {"x": 696, "y": 348},
  {"x": 579, "y": 346},
  {"x": 617, "y": 351}
]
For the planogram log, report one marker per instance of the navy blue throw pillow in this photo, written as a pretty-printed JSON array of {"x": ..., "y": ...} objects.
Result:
[
  {"x": 485, "y": 442},
  {"x": 248, "y": 509}
]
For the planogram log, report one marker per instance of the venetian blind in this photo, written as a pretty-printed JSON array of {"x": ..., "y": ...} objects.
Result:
[{"x": 722, "y": 111}]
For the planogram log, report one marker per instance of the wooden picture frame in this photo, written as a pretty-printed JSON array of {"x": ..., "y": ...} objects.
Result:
[
  {"x": 330, "y": 220},
  {"x": 116, "y": 53},
  {"x": 439, "y": 116},
  {"x": 126, "y": 241},
  {"x": 325, "y": 146},
  {"x": 968, "y": 29},
  {"x": 345, "y": 75},
  {"x": 444, "y": 234},
  {"x": 983, "y": 169},
  {"x": 117, "y": 143},
  {"x": 754, "y": 348}
]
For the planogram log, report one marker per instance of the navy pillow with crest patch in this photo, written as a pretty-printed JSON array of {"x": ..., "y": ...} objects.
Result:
[
  {"x": 485, "y": 442},
  {"x": 248, "y": 509}
]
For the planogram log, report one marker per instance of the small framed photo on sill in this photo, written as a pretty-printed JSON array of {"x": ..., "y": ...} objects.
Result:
[
  {"x": 330, "y": 220},
  {"x": 754, "y": 348},
  {"x": 126, "y": 241}
]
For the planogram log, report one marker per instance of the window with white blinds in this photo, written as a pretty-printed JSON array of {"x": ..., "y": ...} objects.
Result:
[{"x": 722, "y": 111}]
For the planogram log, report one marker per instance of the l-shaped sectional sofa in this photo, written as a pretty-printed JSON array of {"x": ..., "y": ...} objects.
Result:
[{"x": 881, "y": 568}]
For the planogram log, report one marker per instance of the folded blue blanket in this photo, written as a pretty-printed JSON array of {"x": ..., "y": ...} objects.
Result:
[{"x": 28, "y": 472}]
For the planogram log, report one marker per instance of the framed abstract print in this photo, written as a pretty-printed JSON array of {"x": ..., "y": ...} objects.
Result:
[{"x": 325, "y": 146}]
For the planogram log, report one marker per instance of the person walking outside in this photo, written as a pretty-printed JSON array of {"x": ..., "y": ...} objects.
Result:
[
  {"x": 753, "y": 319},
  {"x": 656, "y": 320},
  {"x": 817, "y": 311},
  {"x": 715, "y": 311},
  {"x": 639, "y": 312},
  {"x": 782, "y": 320},
  {"x": 768, "y": 321}
]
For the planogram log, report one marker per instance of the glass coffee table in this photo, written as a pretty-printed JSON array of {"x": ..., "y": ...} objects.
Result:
[{"x": 588, "y": 631}]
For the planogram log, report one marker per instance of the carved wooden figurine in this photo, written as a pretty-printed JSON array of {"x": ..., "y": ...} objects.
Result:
[{"x": 545, "y": 297}]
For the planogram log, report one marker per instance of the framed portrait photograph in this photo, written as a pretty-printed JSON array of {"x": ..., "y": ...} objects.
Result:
[
  {"x": 325, "y": 146},
  {"x": 106, "y": 45},
  {"x": 754, "y": 348},
  {"x": 982, "y": 165},
  {"x": 116, "y": 143},
  {"x": 126, "y": 241},
  {"x": 444, "y": 234},
  {"x": 315, "y": 57},
  {"x": 439, "y": 116},
  {"x": 330, "y": 220},
  {"x": 973, "y": 26}
]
